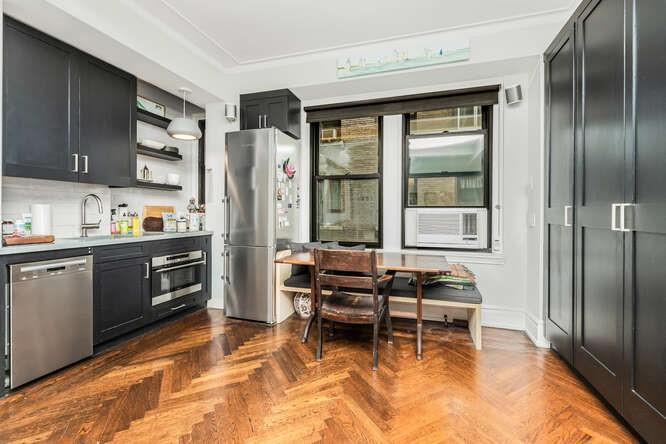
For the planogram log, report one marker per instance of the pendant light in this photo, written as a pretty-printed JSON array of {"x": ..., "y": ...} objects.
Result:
[{"x": 181, "y": 127}]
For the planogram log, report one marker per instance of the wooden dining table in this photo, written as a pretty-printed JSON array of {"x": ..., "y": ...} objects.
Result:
[{"x": 391, "y": 263}]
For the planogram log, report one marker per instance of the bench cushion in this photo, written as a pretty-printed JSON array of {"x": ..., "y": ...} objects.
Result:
[
  {"x": 298, "y": 281},
  {"x": 470, "y": 295},
  {"x": 401, "y": 287}
]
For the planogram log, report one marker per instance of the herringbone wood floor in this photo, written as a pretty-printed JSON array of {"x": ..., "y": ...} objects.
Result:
[{"x": 206, "y": 378}]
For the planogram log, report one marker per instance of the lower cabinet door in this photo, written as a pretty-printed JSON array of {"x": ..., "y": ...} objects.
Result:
[{"x": 121, "y": 297}]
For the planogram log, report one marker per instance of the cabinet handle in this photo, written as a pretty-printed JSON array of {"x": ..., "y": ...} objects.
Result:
[
  {"x": 265, "y": 120},
  {"x": 178, "y": 307},
  {"x": 76, "y": 163},
  {"x": 85, "y": 164},
  {"x": 147, "y": 275},
  {"x": 259, "y": 121},
  {"x": 567, "y": 208}
]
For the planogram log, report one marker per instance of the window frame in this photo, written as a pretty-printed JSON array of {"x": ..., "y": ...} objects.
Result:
[
  {"x": 487, "y": 130},
  {"x": 315, "y": 178}
]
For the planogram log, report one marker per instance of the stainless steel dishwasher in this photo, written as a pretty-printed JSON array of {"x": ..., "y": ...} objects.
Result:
[{"x": 50, "y": 316}]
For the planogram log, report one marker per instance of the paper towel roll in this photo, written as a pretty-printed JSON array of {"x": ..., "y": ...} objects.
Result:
[{"x": 41, "y": 219}]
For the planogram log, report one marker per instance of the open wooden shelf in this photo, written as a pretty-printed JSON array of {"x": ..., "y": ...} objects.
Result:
[
  {"x": 157, "y": 153},
  {"x": 152, "y": 119},
  {"x": 157, "y": 186}
]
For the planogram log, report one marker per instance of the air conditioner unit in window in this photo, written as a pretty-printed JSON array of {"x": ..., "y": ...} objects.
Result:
[{"x": 446, "y": 228}]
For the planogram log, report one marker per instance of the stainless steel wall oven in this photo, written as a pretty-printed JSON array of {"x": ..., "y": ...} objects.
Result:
[{"x": 177, "y": 275}]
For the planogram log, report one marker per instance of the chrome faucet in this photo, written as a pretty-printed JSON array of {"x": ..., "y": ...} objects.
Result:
[{"x": 88, "y": 226}]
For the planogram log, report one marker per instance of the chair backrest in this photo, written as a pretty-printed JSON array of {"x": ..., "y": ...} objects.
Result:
[{"x": 346, "y": 268}]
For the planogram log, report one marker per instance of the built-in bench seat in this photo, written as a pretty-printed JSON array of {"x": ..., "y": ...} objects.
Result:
[{"x": 440, "y": 295}]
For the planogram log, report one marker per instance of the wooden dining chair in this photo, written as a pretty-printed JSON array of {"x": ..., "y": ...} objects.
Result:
[{"x": 344, "y": 272}]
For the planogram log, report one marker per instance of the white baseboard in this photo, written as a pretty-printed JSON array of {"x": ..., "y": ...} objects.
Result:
[
  {"x": 509, "y": 318},
  {"x": 536, "y": 330}
]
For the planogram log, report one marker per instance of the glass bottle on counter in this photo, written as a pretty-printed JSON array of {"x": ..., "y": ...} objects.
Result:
[{"x": 114, "y": 221}]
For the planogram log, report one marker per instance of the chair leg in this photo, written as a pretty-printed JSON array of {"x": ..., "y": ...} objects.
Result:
[
  {"x": 320, "y": 339},
  {"x": 389, "y": 327},
  {"x": 375, "y": 344}
]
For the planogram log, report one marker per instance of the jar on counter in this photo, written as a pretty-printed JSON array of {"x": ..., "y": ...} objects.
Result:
[
  {"x": 7, "y": 227},
  {"x": 181, "y": 225}
]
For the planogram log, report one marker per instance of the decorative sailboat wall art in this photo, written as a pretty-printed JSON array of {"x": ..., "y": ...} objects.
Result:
[{"x": 405, "y": 58}]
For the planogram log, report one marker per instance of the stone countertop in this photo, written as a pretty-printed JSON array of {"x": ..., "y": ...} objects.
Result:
[{"x": 96, "y": 241}]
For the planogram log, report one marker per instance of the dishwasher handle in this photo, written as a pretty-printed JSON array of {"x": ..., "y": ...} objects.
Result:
[{"x": 42, "y": 267}]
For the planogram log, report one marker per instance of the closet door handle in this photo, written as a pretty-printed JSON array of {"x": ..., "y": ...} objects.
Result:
[
  {"x": 614, "y": 225},
  {"x": 567, "y": 209},
  {"x": 623, "y": 219}
]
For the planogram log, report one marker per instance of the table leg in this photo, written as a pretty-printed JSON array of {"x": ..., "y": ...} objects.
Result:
[
  {"x": 419, "y": 315},
  {"x": 313, "y": 307}
]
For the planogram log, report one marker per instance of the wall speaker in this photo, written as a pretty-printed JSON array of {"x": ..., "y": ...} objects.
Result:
[
  {"x": 230, "y": 111},
  {"x": 514, "y": 94}
]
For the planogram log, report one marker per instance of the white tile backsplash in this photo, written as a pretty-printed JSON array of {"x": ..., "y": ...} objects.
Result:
[{"x": 65, "y": 197}]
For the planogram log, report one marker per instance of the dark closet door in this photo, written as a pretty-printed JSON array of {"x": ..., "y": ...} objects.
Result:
[
  {"x": 107, "y": 124},
  {"x": 39, "y": 105},
  {"x": 600, "y": 171},
  {"x": 644, "y": 393},
  {"x": 559, "y": 236}
]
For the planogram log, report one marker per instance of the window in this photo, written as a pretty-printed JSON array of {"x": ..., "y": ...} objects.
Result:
[
  {"x": 447, "y": 158},
  {"x": 346, "y": 203},
  {"x": 446, "y": 188}
]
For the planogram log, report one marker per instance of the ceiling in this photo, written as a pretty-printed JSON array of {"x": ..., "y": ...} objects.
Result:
[{"x": 248, "y": 31}]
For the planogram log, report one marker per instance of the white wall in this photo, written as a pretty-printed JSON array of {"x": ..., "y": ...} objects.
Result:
[
  {"x": 216, "y": 128},
  {"x": 501, "y": 274},
  {"x": 534, "y": 306}
]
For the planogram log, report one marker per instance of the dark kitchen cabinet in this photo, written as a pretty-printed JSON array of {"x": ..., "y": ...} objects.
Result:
[
  {"x": 280, "y": 109},
  {"x": 107, "y": 121},
  {"x": 40, "y": 97},
  {"x": 619, "y": 215},
  {"x": 122, "y": 296},
  {"x": 559, "y": 234},
  {"x": 67, "y": 116}
]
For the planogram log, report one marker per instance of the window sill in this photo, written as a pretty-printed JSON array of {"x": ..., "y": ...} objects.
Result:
[{"x": 468, "y": 257}]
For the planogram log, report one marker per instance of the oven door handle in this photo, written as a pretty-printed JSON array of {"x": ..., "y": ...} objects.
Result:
[{"x": 162, "y": 270}]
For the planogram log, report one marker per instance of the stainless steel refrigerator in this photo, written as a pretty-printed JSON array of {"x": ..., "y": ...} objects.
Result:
[{"x": 262, "y": 203}]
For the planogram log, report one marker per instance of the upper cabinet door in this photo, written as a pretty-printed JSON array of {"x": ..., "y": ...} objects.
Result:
[
  {"x": 600, "y": 171},
  {"x": 644, "y": 393},
  {"x": 107, "y": 119},
  {"x": 277, "y": 109},
  {"x": 252, "y": 114},
  {"x": 39, "y": 105},
  {"x": 560, "y": 104}
]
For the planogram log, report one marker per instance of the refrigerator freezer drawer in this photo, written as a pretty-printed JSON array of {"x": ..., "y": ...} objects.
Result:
[{"x": 249, "y": 292}]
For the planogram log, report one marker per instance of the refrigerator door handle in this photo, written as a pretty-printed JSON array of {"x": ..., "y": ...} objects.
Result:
[
  {"x": 227, "y": 256},
  {"x": 227, "y": 218}
]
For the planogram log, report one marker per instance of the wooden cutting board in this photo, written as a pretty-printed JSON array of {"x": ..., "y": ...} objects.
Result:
[
  {"x": 157, "y": 210},
  {"x": 24, "y": 240}
]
